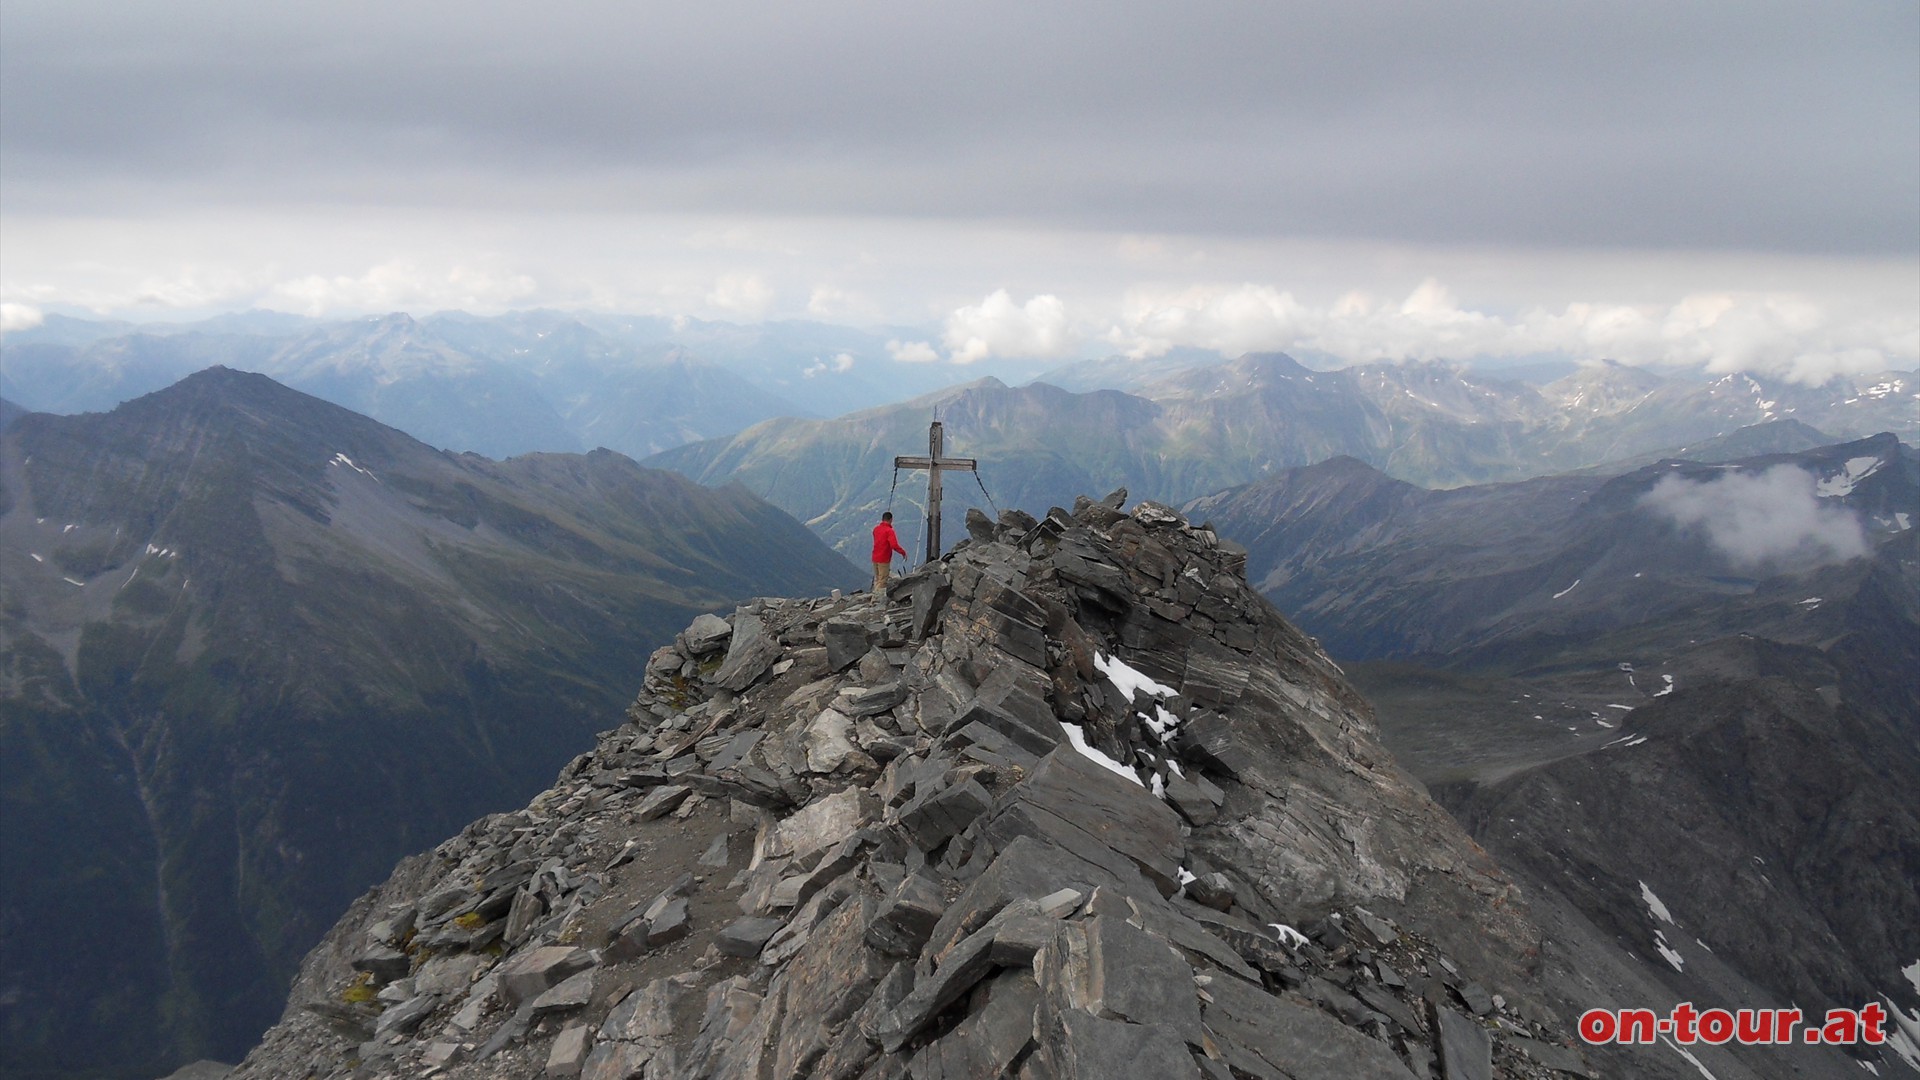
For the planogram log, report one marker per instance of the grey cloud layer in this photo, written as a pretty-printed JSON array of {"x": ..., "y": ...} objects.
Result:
[{"x": 1781, "y": 127}]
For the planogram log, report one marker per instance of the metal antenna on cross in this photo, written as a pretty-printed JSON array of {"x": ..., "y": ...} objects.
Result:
[{"x": 935, "y": 464}]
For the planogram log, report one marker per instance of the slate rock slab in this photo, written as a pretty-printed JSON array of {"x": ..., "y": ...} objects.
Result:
[
  {"x": 1118, "y": 817},
  {"x": 986, "y": 1043},
  {"x": 749, "y": 654},
  {"x": 1272, "y": 1037},
  {"x": 1081, "y": 1046},
  {"x": 746, "y": 936},
  {"x": 846, "y": 643},
  {"x": 573, "y": 992},
  {"x": 1466, "y": 1051},
  {"x": 938, "y": 815},
  {"x": 906, "y": 919},
  {"x": 529, "y": 975},
  {"x": 662, "y": 801}
]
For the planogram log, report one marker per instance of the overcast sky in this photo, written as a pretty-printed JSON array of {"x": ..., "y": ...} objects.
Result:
[{"x": 1725, "y": 184}]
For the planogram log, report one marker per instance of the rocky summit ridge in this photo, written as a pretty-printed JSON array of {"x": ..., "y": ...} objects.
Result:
[{"x": 1073, "y": 801}]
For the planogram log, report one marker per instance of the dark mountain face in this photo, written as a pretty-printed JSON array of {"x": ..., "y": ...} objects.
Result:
[
  {"x": 1504, "y": 575},
  {"x": 256, "y": 647},
  {"x": 1692, "y": 683}
]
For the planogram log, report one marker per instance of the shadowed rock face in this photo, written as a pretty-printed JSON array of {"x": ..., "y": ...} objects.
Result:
[
  {"x": 254, "y": 648},
  {"x": 1052, "y": 807}
]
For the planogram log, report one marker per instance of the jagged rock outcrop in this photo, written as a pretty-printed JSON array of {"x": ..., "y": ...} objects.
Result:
[{"x": 1052, "y": 807}]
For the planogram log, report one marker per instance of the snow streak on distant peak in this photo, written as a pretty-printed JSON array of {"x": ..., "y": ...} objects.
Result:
[
  {"x": 1842, "y": 482},
  {"x": 342, "y": 459}
]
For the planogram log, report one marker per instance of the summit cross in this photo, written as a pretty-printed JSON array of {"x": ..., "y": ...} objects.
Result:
[{"x": 935, "y": 465}]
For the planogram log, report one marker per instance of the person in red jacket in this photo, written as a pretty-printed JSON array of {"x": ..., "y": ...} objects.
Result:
[{"x": 885, "y": 544}]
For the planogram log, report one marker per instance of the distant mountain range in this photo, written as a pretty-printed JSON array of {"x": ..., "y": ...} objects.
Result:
[
  {"x": 256, "y": 647},
  {"x": 551, "y": 381},
  {"x": 1679, "y": 703},
  {"x": 534, "y": 381},
  {"x": 1206, "y": 428}
]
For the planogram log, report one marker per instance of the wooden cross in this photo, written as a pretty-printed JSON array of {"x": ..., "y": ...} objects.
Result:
[{"x": 935, "y": 465}]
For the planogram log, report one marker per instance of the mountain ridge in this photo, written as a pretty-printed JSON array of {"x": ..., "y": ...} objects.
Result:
[
  {"x": 880, "y": 834},
  {"x": 1205, "y": 429}
]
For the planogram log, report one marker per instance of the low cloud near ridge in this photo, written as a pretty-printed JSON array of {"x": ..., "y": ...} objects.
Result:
[
  {"x": 1760, "y": 518},
  {"x": 1781, "y": 336}
]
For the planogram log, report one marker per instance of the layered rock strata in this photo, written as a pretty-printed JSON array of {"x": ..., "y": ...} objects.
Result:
[{"x": 1072, "y": 802}]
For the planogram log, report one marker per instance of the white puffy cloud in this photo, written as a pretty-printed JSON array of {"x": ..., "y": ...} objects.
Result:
[
  {"x": 912, "y": 352},
  {"x": 840, "y": 364},
  {"x": 1249, "y": 318},
  {"x": 401, "y": 285},
  {"x": 741, "y": 294},
  {"x": 1782, "y": 335},
  {"x": 998, "y": 327},
  {"x": 830, "y": 302},
  {"x": 1144, "y": 293},
  {"x": 1760, "y": 518},
  {"x": 19, "y": 317}
]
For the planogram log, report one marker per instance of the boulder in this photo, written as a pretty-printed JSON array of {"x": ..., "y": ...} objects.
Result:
[
  {"x": 1212, "y": 890},
  {"x": 933, "y": 817},
  {"x": 669, "y": 924},
  {"x": 662, "y": 801},
  {"x": 962, "y": 966},
  {"x": 988, "y": 1041},
  {"x": 1191, "y": 800},
  {"x": 573, "y": 992},
  {"x": 750, "y": 653},
  {"x": 535, "y": 971},
  {"x": 569, "y": 1052},
  {"x": 707, "y": 634},
  {"x": 745, "y": 936},
  {"x": 384, "y": 962},
  {"x": 828, "y": 741},
  {"x": 846, "y": 643},
  {"x": 904, "y": 921},
  {"x": 980, "y": 527},
  {"x": 403, "y": 1018},
  {"x": 872, "y": 702},
  {"x": 1207, "y": 737},
  {"x": 821, "y": 824}
]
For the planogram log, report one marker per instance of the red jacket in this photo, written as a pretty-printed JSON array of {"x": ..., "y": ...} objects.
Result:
[{"x": 885, "y": 543}]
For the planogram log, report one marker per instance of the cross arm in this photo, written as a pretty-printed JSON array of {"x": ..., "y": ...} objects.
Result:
[{"x": 923, "y": 462}]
